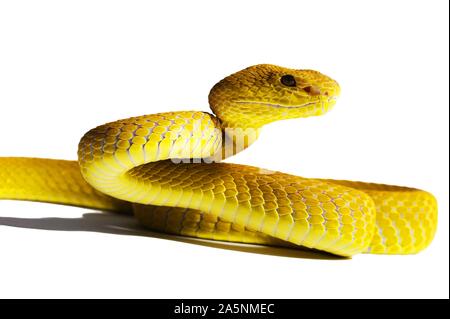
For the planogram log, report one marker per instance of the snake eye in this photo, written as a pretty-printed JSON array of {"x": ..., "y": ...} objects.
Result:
[{"x": 288, "y": 80}]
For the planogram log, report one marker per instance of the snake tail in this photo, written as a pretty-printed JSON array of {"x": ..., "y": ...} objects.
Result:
[{"x": 52, "y": 181}]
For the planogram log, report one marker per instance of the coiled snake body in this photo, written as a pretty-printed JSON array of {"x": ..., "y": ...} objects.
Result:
[{"x": 165, "y": 168}]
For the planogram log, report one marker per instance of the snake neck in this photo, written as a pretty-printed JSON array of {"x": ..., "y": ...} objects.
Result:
[
  {"x": 235, "y": 140},
  {"x": 239, "y": 130}
]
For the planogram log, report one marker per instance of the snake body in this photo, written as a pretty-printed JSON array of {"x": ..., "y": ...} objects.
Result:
[{"x": 165, "y": 168}]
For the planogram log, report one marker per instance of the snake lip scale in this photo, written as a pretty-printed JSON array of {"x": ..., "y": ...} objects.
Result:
[{"x": 130, "y": 166}]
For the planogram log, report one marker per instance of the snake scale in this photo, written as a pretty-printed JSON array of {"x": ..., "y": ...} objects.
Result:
[{"x": 165, "y": 168}]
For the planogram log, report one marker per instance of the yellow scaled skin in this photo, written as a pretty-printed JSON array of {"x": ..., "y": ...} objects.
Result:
[{"x": 166, "y": 169}]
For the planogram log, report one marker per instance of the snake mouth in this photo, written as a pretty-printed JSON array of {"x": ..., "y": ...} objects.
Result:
[{"x": 282, "y": 106}]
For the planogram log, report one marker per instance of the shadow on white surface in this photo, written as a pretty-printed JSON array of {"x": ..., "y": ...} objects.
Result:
[{"x": 126, "y": 225}]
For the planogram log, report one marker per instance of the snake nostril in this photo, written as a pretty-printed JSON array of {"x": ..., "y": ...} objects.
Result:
[{"x": 312, "y": 90}]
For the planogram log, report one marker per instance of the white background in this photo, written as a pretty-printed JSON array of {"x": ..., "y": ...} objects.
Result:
[{"x": 66, "y": 67}]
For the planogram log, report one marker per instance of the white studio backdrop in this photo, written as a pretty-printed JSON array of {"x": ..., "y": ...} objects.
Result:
[{"x": 67, "y": 66}]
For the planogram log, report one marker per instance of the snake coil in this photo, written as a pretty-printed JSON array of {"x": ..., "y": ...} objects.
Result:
[{"x": 166, "y": 169}]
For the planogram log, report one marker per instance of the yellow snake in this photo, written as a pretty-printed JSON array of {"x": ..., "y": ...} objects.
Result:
[{"x": 166, "y": 169}]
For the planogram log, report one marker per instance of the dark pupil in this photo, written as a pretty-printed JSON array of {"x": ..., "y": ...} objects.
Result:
[{"x": 288, "y": 80}]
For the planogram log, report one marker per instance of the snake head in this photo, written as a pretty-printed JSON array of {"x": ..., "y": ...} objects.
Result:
[{"x": 265, "y": 93}]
